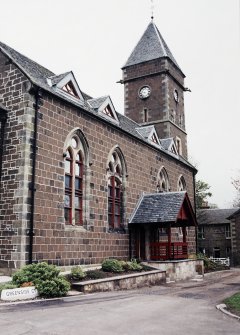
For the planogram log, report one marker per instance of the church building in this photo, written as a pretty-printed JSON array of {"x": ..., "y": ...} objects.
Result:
[{"x": 81, "y": 182}]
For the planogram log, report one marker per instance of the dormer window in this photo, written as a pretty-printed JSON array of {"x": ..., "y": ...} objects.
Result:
[
  {"x": 104, "y": 107},
  {"x": 108, "y": 111},
  {"x": 149, "y": 134},
  {"x": 173, "y": 150},
  {"x": 69, "y": 88},
  {"x": 66, "y": 85},
  {"x": 154, "y": 138}
]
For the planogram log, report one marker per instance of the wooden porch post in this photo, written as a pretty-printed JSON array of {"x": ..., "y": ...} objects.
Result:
[
  {"x": 169, "y": 243},
  {"x": 184, "y": 234}
]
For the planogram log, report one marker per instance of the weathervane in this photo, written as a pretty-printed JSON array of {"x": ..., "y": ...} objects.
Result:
[{"x": 152, "y": 9}]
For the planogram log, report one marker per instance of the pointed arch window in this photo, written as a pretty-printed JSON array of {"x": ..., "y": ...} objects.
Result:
[
  {"x": 181, "y": 184},
  {"x": 73, "y": 200},
  {"x": 116, "y": 175},
  {"x": 162, "y": 181}
]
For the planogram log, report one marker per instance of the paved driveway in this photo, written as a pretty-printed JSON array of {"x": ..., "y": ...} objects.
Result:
[{"x": 181, "y": 308}]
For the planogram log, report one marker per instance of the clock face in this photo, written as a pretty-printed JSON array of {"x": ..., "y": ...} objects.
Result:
[
  {"x": 175, "y": 94},
  {"x": 144, "y": 92}
]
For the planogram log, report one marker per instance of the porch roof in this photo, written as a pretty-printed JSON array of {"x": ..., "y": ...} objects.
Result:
[{"x": 168, "y": 207}]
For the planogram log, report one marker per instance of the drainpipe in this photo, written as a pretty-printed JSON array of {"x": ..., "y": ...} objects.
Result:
[
  {"x": 30, "y": 232},
  {"x": 130, "y": 243}
]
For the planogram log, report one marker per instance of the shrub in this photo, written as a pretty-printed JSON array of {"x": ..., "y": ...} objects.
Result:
[
  {"x": 112, "y": 265},
  {"x": 6, "y": 286},
  {"x": 44, "y": 277},
  {"x": 55, "y": 287},
  {"x": 35, "y": 273},
  {"x": 96, "y": 274},
  {"x": 210, "y": 265},
  {"x": 132, "y": 266},
  {"x": 26, "y": 284},
  {"x": 77, "y": 273}
]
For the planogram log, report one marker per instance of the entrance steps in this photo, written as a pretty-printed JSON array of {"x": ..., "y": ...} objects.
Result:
[{"x": 197, "y": 278}]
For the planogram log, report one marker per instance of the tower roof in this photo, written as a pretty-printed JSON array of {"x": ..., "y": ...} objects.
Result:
[{"x": 150, "y": 46}]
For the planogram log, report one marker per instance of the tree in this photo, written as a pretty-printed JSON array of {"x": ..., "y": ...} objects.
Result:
[
  {"x": 202, "y": 193},
  {"x": 236, "y": 184}
]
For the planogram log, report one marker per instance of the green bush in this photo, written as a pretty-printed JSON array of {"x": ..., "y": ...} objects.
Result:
[
  {"x": 96, "y": 274},
  {"x": 55, "y": 287},
  {"x": 77, "y": 273},
  {"x": 6, "y": 286},
  {"x": 132, "y": 266},
  {"x": 35, "y": 273},
  {"x": 45, "y": 277},
  {"x": 112, "y": 265},
  {"x": 209, "y": 265}
]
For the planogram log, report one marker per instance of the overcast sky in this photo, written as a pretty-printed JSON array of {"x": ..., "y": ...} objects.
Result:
[{"x": 94, "y": 38}]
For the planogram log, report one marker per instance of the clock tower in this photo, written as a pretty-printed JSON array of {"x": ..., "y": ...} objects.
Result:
[{"x": 154, "y": 87}]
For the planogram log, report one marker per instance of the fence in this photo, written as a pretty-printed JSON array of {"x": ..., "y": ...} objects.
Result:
[{"x": 223, "y": 261}]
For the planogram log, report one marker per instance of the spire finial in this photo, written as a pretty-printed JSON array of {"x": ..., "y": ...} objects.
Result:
[{"x": 152, "y": 9}]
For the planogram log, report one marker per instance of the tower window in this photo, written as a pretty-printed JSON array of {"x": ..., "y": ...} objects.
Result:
[
  {"x": 179, "y": 145},
  {"x": 145, "y": 115}
]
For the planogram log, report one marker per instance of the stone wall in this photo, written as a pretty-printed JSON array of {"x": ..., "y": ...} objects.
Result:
[
  {"x": 179, "y": 270},
  {"x": 16, "y": 165},
  {"x": 54, "y": 241},
  {"x": 89, "y": 245},
  {"x": 214, "y": 237}
]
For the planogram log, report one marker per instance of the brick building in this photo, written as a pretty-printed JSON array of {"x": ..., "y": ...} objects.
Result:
[
  {"x": 215, "y": 232},
  {"x": 235, "y": 225},
  {"x": 73, "y": 169}
]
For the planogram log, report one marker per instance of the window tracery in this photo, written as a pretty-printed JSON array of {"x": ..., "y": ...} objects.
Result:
[
  {"x": 181, "y": 184},
  {"x": 116, "y": 175},
  {"x": 162, "y": 181},
  {"x": 75, "y": 190}
]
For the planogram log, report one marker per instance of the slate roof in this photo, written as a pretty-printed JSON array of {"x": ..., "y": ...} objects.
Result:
[
  {"x": 234, "y": 214},
  {"x": 96, "y": 103},
  {"x": 145, "y": 131},
  {"x": 56, "y": 79},
  {"x": 150, "y": 46},
  {"x": 35, "y": 72},
  {"x": 214, "y": 216},
  {"x": 39, "y": 76},
  {"x": 158, "y": 207},
  {"x": 166, "y": 142}
]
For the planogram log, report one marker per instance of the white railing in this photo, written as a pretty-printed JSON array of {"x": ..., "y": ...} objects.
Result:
[{"x": 223, "y": 261}]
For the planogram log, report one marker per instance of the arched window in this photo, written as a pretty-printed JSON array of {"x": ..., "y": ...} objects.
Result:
[
  {"x": 181, "y": 184},
  {"x": 75, "y": 156},
  {"x": 162, "y": 181},
  {"x": 116, "y": 178}
]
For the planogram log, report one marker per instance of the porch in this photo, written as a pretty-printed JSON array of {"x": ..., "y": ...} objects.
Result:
[
  {"x": 159, "y": 227},
  {"x": 165, "y": 251}
]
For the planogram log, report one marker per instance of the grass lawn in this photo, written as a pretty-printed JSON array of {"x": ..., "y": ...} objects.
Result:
[{"x": 233, "y": 303}]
